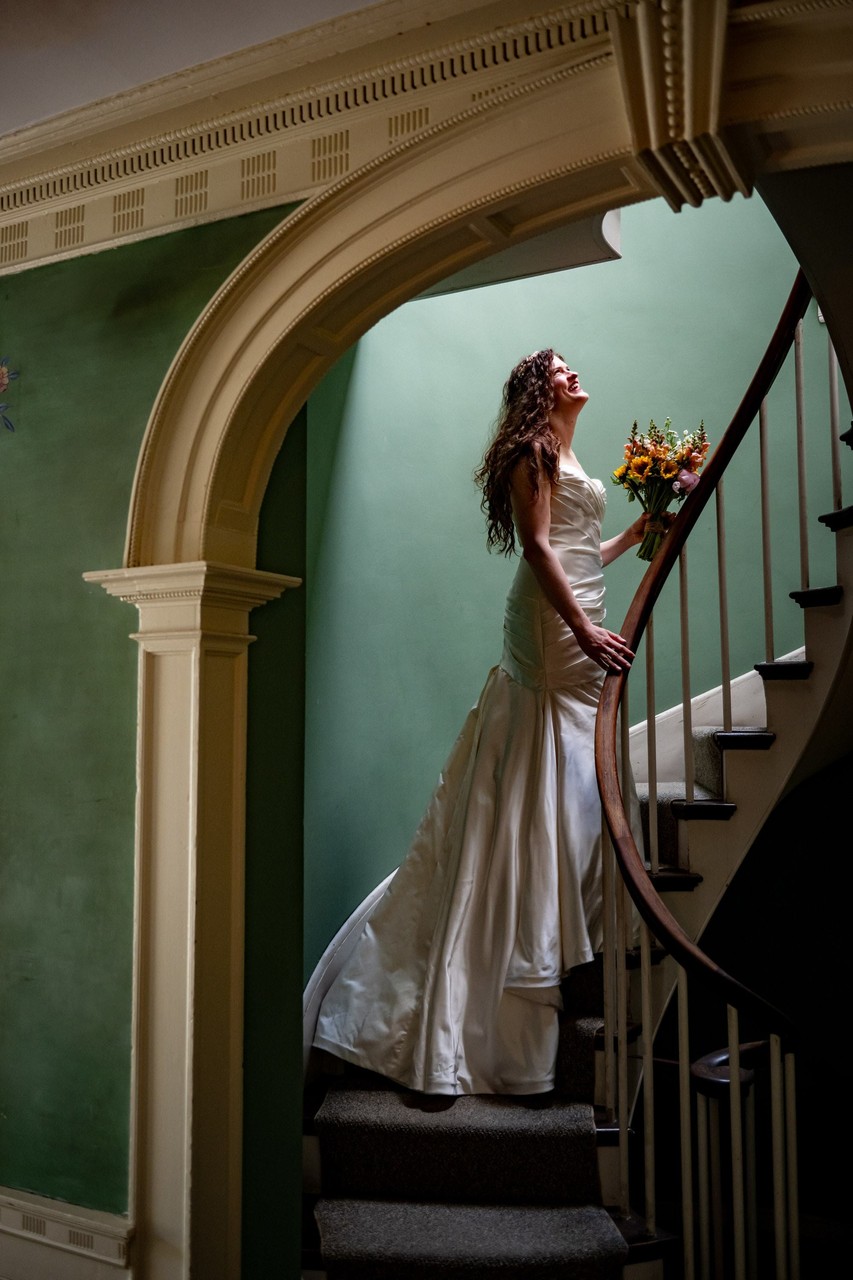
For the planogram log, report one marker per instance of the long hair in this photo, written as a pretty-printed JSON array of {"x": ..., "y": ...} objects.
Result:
[{"x": 522, "y": 432}]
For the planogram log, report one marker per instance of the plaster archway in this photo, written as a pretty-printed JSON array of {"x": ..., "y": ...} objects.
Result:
[{"x": 452, "y": 195}]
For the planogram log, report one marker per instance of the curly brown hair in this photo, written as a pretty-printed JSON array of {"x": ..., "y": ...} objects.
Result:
[{"x": 522, "y": 431}]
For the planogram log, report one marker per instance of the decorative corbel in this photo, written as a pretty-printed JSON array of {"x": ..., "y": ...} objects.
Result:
[{"x": 670, "y": 55}]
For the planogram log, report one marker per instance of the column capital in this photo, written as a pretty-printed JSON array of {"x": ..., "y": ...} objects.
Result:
[{"x": 195, "y": 596}]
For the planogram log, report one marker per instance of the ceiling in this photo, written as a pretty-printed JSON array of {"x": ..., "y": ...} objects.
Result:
[{"x": 61, "y": 54}]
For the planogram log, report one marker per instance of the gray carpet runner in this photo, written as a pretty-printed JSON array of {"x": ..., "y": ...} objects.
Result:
[
  {"x": 481, "y": 1187},
  {"x": 381, "y": 1240}
]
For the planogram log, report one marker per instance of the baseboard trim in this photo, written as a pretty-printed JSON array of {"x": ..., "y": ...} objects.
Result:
[{"x": 42, "y": 1239}]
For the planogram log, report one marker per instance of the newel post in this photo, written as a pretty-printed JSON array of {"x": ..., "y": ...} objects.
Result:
[{"x": 186, "y": 1129}]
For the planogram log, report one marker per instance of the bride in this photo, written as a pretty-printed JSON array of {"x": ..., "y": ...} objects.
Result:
[{"x": 454, "y": 983}]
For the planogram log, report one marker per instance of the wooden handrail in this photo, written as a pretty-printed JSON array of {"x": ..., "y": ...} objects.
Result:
[{"x": 663, "y": 925}]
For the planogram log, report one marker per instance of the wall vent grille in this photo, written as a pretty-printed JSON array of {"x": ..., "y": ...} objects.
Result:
[
  {"x": 479, "y": 94},
  {"x": 69, "y": 227},
  {"x": 81, "y": 1239},
  {"x": 258, "y": 176},
  {"x": 191, "y": 191},
  {"x": 35, "y": 1226},
  {"x": 330, "y": 156},
  {"x": 406, "y": 122},
  {"x": 13, "y": 242},
  {"x": 129, "y": 211}
]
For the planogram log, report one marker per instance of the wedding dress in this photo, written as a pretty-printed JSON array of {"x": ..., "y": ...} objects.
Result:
[{"x": 453, "y": 985}]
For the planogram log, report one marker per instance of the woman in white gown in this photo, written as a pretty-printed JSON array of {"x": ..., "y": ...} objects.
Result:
[{"x": 454, "y": 985}]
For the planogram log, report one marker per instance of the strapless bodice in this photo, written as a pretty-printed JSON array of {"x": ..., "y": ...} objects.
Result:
[{"x": 540, "y": 650}]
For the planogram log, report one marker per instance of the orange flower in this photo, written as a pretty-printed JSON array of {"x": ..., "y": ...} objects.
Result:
[{"x": 641, "y": 467}]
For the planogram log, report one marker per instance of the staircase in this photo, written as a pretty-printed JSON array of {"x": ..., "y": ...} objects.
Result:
[
  {"x": 476, "y": 1186},
  {"x": 742, "y": 773}
]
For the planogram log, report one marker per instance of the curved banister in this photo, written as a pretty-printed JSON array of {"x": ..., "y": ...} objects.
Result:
[{"x": 659, "y": 919}]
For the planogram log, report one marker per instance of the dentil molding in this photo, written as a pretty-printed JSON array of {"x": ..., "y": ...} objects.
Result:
[{"x": 124, "y": 182}]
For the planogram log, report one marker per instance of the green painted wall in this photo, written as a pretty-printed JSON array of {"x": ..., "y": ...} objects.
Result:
[
  {"x": 404, "y": 603},
  {"x": 272, "y": 1120},
  {"x": 92, "y": 338}
]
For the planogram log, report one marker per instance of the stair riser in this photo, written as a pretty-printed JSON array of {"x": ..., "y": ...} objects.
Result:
[
  {"x": 474, "y": 1170},
  {"x": 634, "y": 1271},
  {"x": 523, "y": 1271},
  {"x": 608, "y": 1156}
]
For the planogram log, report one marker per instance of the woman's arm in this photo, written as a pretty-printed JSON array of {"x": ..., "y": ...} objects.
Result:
[
  {"x": 532, "y": 514},
  {"x": 630, "y": 537}
]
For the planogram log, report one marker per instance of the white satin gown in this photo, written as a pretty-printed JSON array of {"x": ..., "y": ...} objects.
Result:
[{"x": 453, "y": 986}]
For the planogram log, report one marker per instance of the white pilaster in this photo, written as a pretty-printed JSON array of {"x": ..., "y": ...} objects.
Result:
[{"x": 188, "y": 1018}]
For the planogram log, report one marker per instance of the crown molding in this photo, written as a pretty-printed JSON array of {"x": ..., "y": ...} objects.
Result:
[
  {"x": 712, "y": 92},
  {"x": 272, "y": 125}
]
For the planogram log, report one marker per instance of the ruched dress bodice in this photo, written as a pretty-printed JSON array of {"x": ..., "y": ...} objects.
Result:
[{"x": 540, "y": 651}]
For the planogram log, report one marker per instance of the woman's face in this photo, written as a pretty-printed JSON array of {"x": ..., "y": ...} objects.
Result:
[{"x": 567, "y": 386}]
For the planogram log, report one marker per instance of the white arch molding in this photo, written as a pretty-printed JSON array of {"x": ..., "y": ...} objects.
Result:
[{"x": 617, "y": 123}]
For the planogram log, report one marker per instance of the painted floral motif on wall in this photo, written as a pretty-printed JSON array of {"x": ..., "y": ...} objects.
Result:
[{"x": 7, "y": 375}]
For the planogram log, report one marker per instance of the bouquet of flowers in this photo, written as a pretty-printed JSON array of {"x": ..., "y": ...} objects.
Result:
[{"x": 660, "y": 467}]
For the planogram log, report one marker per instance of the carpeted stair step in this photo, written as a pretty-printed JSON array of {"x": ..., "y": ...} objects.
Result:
[
  {"x": 668, "y": 793},
  {"x": 479, "y": 1149},
  {"x": 709, "y": 743},
  {"x": 707, "y": 761},
  {"x": 381, "y": 1240}
]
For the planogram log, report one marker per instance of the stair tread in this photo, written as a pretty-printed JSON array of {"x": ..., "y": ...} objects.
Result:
[
  {"x": 785, "y": 669},
  {"x": 817, "y": 597},
  {"x": 457, "y": 1237},
  {"x": 699, "y": 807},
  {"x": 744, "y": 739},
  {"x": 679, "y": 879},
  {"x": 841, "y": 519},
  {"x": 486, "y": 1115}
]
